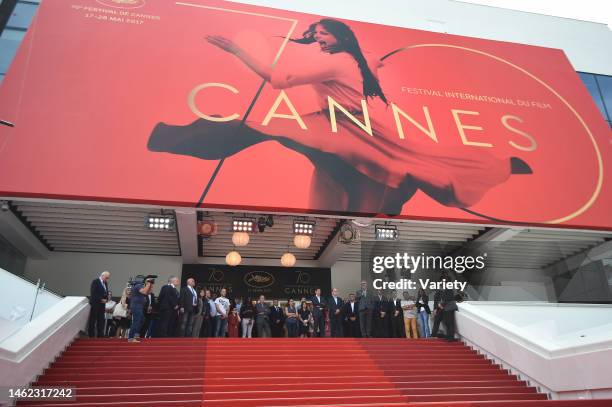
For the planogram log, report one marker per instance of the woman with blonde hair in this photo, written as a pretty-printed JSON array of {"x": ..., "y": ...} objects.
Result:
[{"x": 122, "y": 313}]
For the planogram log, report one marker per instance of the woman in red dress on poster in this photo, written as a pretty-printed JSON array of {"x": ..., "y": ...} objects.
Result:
[{"x": 354, "y": 171}]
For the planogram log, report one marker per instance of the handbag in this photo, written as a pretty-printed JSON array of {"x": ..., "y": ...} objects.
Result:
[{"x": 119, "y": 311}]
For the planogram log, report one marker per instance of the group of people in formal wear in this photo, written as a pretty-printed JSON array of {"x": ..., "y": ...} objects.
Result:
[{"x": 191, "y": 311}]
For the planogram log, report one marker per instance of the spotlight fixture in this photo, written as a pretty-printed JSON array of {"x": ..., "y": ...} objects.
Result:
[
  {"x": 303, "y": 227},
  {"x": 263, "y": 222},
  {"x": 160, "y": 222},
  {"x": 207, "y": 228},
  {"x": 347, "y": 233},
  {"x": 386, "y": 232},
  {"x": 243, "y": 225}
]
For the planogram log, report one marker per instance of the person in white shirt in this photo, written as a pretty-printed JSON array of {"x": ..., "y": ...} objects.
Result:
[
  {"x": 109, "y": 307},
  {"x": 222, "y": 305},
  {"x": 410, "y": 315}
]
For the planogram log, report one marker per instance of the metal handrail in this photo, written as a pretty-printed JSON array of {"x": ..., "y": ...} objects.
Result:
[{"x": 36, "y": 283}]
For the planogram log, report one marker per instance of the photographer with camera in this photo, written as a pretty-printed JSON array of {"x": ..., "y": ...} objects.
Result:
[{"x": 141, "y": 288}]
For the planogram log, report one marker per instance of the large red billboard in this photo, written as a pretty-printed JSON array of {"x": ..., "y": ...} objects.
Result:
[{"x": 221, "y": 105}]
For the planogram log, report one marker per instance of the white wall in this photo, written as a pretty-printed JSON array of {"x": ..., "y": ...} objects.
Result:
[
  {"x": 72, "y": 273},
  {"x": 513, "y": 284},
  {"x": 25, "y": 354},
  {"x": 17, "y": 299},
  {"x": 564, "y": 348},
  {"x": 346, "y": 276},
  {"x": 587, "y": 45}
]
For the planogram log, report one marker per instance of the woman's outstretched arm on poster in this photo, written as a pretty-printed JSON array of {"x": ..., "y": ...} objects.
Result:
[{"x": 261, "y": 69}]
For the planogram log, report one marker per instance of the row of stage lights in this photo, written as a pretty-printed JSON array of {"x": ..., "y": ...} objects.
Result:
[
  {"x": 303, "y": 231},
  {"x": 160, "y": 222}
]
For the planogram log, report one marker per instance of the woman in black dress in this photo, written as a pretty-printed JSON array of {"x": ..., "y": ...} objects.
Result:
[{"x": 305, "y": 320}]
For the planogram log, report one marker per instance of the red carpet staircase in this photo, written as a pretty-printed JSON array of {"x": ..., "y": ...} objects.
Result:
[{"x": 286, "y": 372}]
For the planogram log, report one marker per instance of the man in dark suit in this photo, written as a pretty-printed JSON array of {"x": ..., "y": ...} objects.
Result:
[
  {"x": 397, "y": 317},
  {"x": 318, "y": 313},
  {"x": 262, "y": 318},
  {"x": 206, "y": 330},
  {"x": 350, "y": 313},
  {"x": 188, "y": 302},
  {"x": 97, "y": 301},
  {"x": 365, "y": 298},
  {"x": 335, "y": 304},
  {"x": 438, "y": 312},
  {"x": 168, "y": 308},
  {"x": 277, "y": 320},
  {"x": 150, "y": 314},
  {"x": 380, "y": 315},
  {"x": 449, "y": 307}
]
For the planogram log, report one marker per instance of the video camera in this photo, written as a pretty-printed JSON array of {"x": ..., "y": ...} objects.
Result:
[{"x": 141, "y": 279}]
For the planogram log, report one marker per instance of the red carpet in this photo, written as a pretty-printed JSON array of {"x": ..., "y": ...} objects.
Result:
[{"x": 287, "y": 372}]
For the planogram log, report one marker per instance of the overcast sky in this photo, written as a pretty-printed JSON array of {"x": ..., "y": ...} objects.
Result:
[{"x": 590, "y": 10}]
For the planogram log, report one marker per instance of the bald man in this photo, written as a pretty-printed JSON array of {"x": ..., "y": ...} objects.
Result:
[{"x": 98, "y": 294}]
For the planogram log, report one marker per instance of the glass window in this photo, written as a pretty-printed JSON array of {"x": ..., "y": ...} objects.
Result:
[
  {"x": 605, "y": 87},
  {"x": 8, "y": 49},
  {"x": 22, "y": 15},
  {"x": 12, "y": 34},
  {"x": 591, "y": 84}
]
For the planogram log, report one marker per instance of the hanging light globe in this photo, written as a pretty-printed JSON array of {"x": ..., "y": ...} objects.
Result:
[
  {"x": 233, "y": 258},
  {"x": 240, "y": 238},
  {"x": 302, "y": 241},
  {"x": 288, "y": 260}
]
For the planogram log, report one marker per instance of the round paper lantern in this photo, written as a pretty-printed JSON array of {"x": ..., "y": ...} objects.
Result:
[
  {"x": 240, "y": 238},
  {"x": 288, "y": 260},
  {"x": 233, "y": 258},
  {"x": 302, "y": 241}
]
